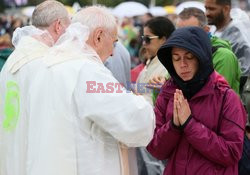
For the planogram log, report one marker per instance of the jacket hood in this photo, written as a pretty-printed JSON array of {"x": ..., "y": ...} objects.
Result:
[
  {"x": 217, "y": 42},
  {"x": 23, "y": 53},
  {"x": 196, "y": 41}
]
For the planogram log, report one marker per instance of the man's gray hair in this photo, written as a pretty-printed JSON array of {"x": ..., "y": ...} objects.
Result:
[
  {"x": 47, "y": 12},
  {"x": 195, "y": 12},
  {"x": 95, "y": 17}
]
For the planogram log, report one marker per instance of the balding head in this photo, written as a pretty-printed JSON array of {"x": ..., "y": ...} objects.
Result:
[
  {"x": 47, "y": 12},
  {"x": 197, "y": 13},
  {"x": 103, "y": 29},
  {"x": 95, "y": 17},
  {"x": 52, "y": 16},
  {"x": 192, "y": 16}
]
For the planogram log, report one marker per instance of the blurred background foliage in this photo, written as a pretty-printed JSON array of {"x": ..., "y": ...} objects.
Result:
[{"x": 108, "y": 3}]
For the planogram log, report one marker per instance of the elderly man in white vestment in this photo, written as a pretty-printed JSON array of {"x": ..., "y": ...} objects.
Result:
[
  {"x": 85, "y": 119},
  {"x": 49, "y": 21}
]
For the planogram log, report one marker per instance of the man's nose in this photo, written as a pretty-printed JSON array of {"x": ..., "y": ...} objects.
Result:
[
  {"x": 207, "y": 13},
  {"x": 144, "y": 43}
]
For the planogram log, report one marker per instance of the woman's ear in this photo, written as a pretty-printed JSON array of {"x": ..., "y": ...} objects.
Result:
[{"x": 163, "y": 40}]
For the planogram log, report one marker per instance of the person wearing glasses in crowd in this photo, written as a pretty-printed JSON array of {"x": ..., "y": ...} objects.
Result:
[{"x": 155, "y": 33}]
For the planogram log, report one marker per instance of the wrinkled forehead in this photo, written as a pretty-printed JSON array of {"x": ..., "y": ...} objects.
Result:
[
  {"x": 191, "y": 21},
  {"x": 211, "y": 3}
]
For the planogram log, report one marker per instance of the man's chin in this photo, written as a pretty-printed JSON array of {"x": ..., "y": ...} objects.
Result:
[{"x": 210, "y": 22}]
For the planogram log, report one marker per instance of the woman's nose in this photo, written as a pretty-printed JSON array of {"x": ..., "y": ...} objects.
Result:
[{"x": 183, "y": 63}]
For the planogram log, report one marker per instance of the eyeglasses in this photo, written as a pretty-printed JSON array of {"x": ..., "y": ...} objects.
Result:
[{"x": 147, "y": 39}]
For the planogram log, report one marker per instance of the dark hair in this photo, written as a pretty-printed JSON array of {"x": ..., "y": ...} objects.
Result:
[
  {"x": 195, "y": 12},
  {"x": 223, "y": 2},
  {"x": 149, "y": 14},
  {"x": 160, "y": 26}
]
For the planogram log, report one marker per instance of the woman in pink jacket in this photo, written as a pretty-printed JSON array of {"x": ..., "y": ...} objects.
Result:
[{"x": 200, "y": 120}]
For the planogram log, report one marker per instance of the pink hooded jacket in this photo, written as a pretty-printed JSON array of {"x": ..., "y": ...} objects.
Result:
[{"x": 211, "y": 142}]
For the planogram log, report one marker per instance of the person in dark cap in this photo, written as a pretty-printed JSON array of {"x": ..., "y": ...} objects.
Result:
[{"x": 200, "y": 121}]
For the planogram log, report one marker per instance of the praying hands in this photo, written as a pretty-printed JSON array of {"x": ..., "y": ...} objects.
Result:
[{"x": 181, "y": 108}]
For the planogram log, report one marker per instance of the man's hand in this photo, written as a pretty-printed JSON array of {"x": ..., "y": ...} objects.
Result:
[{"x": 156, "y": 82}]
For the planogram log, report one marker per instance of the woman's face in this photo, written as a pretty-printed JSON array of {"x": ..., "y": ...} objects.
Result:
[
  {"x": 185, "y": 63},
  {"x": 153, "y": 44}
]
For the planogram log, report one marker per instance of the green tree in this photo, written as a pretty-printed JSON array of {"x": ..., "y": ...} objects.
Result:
[
  {"x": 34, "y": 2},
  {"x": 2, "y": 6},
  {"x": 145, "y": 2},
  {"x": 164, "y": 2},
  {"x": 113, "y": 3},
  {"x": 108, "y": 3}
]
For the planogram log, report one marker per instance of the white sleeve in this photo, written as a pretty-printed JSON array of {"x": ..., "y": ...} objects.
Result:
[{"x": 127, "y": 117}]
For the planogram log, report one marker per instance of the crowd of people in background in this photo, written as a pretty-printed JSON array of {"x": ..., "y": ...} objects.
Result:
[
  {"x": 8, "y": 24},
  {"x": 143, "y": 95}
]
